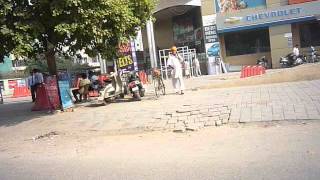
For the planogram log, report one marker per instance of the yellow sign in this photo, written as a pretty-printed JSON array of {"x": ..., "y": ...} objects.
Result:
[{"x": 124, "y": 61}]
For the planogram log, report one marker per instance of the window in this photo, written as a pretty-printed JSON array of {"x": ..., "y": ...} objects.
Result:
[
  {"x": 247, "y": 42},
  {"x": 310, "y": 34}
]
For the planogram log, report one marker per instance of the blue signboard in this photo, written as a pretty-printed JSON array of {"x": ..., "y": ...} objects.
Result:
[
  {"x": 66, "y": 97},
  {"x": 234, "y": 5}
]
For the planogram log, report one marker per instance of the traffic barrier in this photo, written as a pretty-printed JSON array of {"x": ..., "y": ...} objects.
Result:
[
  {"x": 248, "y": 71},
  {"x": 42, "y": 101},
  {"x": 47, "y": 97},
  {"x": 22, "y": 91}
]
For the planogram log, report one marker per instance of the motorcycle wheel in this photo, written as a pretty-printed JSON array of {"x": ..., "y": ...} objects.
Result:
[
  {"x": 142, "y": 93},
  {"x": 137, "y": 96}
]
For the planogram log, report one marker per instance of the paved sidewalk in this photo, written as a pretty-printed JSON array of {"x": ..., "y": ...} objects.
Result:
[{"x": 192, "y": 111}]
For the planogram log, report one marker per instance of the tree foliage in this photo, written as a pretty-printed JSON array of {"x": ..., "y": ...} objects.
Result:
[
  {"x": 30, "y": 27},
  {"x": 62, "y": 64}
]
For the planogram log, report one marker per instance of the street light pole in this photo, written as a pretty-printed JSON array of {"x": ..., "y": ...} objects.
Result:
[{"x": 151, "y": 44}]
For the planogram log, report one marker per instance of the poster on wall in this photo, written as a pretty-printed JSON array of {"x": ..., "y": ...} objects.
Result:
[{"x": 224, "y": 6}]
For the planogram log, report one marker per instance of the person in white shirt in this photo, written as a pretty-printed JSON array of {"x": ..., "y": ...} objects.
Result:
[
  {"x": 296, "y": 51},
  {"x": 197, "y": 66},
  {"x": 175, "y": 62},
  {"x": 35, "y": 81}
]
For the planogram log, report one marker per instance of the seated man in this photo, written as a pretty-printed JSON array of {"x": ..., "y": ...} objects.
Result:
[{"x": 83, "y": 88}]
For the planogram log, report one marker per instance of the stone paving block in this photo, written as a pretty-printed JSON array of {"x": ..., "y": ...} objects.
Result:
[
  {"x": 234, "y": 118},
  {"x": 192, "y": 127},
  {"x": 224, "y": 118},
  {"x": 256, "y": 117},
  {"x": 204, "y": 111},
  {"x": 210, "y": 123},
  {"x": 289, "y": 116},
  {"x": 195, "y": 112},
  {"x": 214, "y": 118},
  {"x": 314, "y": 116},
  {"x": 179, "y": 127},
  {"x": 218, "y": 123},
  {"x": 245, "y": 115},
  {"x": 170, "y": 126},
  {"x": 182, "y": 118},
  {"x": 213, "y": 113},
  {"x": 277, "y": 116},
  {"x": 266, "y": 117},
  {"x": 172, "y": 121}
]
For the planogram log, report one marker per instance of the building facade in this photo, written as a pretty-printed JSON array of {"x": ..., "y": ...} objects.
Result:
[{"x": 243, "y": 30}]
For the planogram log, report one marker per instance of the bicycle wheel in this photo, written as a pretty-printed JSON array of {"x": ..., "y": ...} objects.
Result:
[
  {"x": 163, "y": 87},
  {"x": 156, "y": 87}
]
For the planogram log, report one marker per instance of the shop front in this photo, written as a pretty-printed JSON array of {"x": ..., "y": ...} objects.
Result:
[{"x": 249, "y": 34}]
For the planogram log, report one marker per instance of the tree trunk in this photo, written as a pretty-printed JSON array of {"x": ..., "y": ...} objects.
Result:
[{"x": 51, "y": 61}]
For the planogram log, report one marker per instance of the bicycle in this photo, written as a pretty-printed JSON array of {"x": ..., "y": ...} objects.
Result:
[{"x": 159, "y": 87}]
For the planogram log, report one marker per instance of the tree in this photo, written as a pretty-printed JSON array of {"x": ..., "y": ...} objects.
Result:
[{"x": 31, "y": 27}]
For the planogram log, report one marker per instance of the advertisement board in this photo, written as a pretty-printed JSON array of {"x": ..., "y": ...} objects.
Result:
[
  {"x": 212, "y": 44},
  {"x": 259, "y": 18},
  {"x": 65, "y": 95},
  {"x": 125, "y": 60},
  {"x": 12, "y": 84},
  {"x": 225, "y": 6},
  {"x": 52, "y": 91}
]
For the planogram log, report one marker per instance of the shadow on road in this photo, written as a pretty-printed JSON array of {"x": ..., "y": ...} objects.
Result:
[{"x": 17, "y": 112}]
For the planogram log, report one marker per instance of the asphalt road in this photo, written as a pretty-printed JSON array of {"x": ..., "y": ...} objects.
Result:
[{"x": 286, "y": 150}]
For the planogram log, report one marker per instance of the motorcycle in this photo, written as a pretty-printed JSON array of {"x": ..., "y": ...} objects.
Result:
[
  {"x": 291, "y": 60},
  {"x": 112, "y": 89},
  {"x": 135, "y": 86},
  {"x": 315, "y": 57},
  {"x": 263, "y": 62}
]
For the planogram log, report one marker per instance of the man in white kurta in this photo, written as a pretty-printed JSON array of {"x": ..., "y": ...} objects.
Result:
[{"x": 175, "y": 63}]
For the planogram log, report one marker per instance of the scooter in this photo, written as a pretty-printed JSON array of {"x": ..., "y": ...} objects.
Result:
[
  {"x": 135, "y": 86},
  {"x": 315, "y": 57},
  {"x": 291, "y": 60},
  {"x": 112, "y": 90},
  {"x": 263, "y": 62}
]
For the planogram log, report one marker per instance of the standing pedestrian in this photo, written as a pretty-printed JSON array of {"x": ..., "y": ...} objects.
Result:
[
  {"x": 197, "y": 66},
  {"x": 175, "y": 63},
  {"x": 36, "y": 81}
]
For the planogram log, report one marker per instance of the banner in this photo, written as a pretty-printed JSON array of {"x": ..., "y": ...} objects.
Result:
[
  {"x": 125, "y": 60},
  {"x": 225, "y": 6},
  {"x": 12, "y": 84},
  {"x": 52, "y": 91},
  {"x": 65, "y": 94},
  {"x": 212, "y": 43}
]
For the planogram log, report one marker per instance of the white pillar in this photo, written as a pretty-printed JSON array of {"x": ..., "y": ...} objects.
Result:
[
  {"x": 151, "y": 44},
  {"x": 103, "y": 65}
]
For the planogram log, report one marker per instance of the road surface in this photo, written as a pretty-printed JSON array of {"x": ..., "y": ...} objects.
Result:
[{"x": 274, "y": 150}]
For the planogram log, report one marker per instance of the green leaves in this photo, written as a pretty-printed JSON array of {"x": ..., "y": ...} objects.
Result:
[{"x": 97, "y": 26}]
